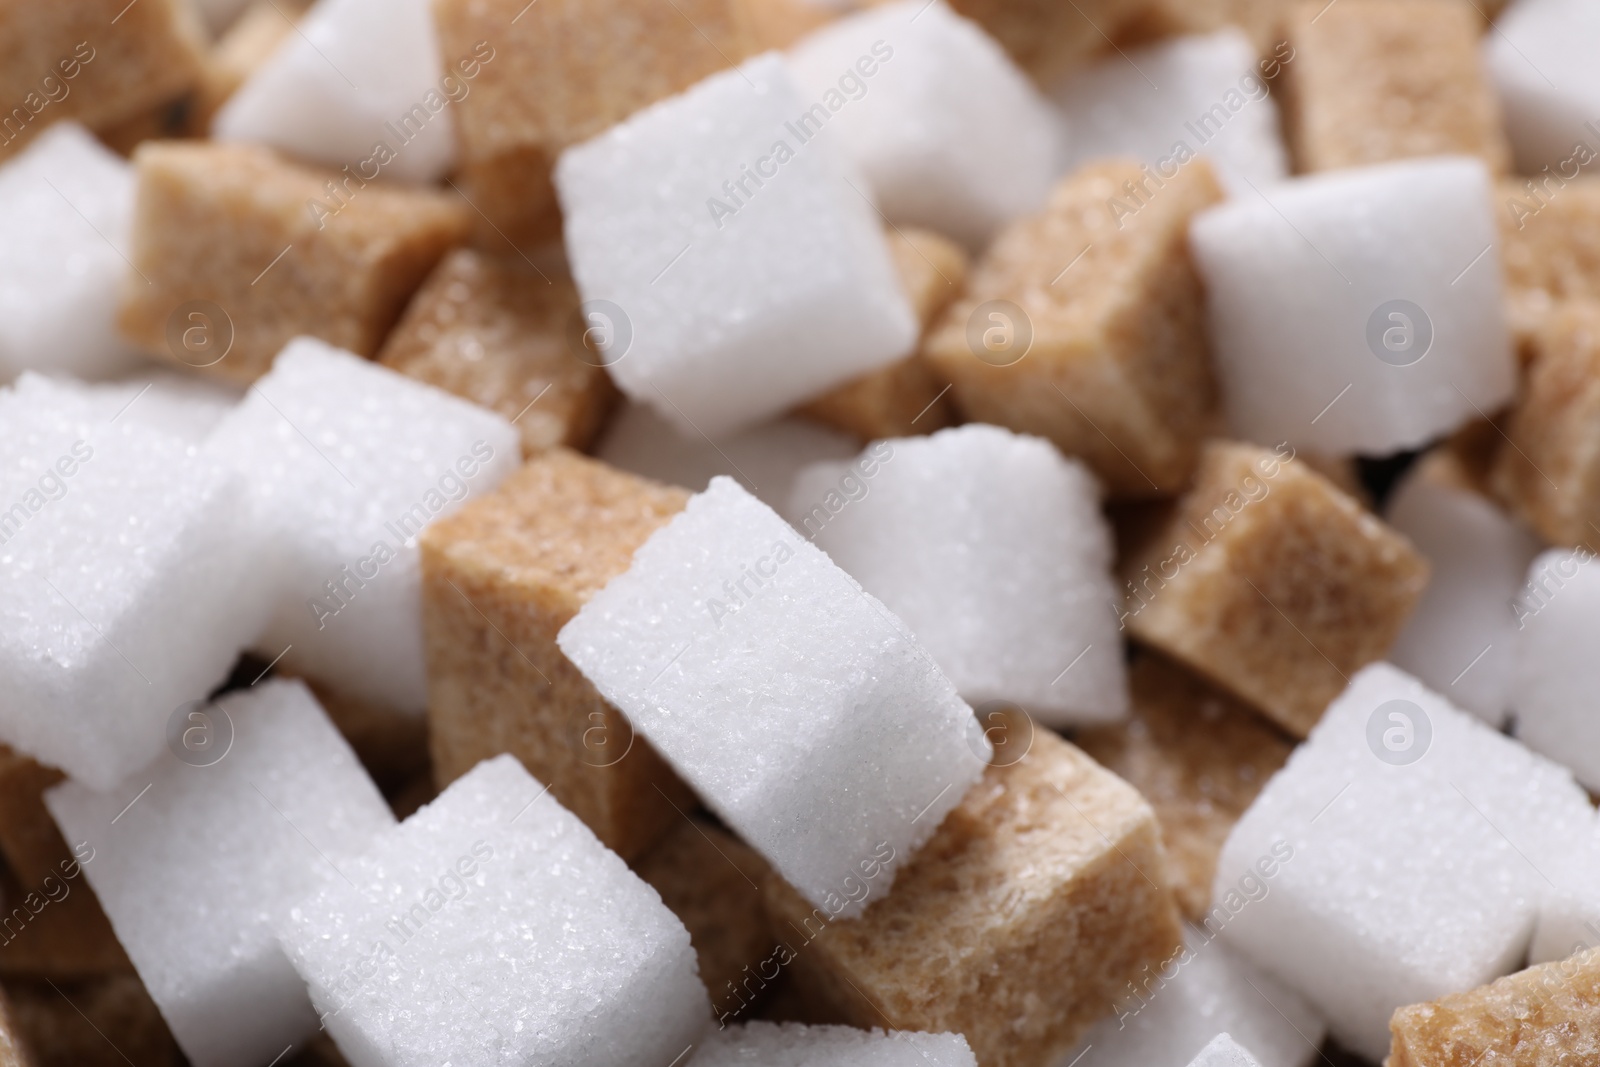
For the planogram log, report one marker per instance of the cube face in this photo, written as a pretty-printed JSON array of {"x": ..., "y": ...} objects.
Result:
[
  {"x": 1545, "y": 80},
  {"x": 1115, "y": 369},
  {"x": 1393, "y": 351},
  {"x": 500, "y": 579},
  {"x": 731, "y": 308},
  {"x": 1019, "y": 878},
  {"x": 211, "y": 222},
  {"x": 249, "y": 833},
  {"x": 1553, "y": 674},
  {"x": 1044, "y": 38},
  {"x": 497, "y": 334},
  {"x": 1360, "y": 93},
  {"x": 794, "y": 1045},
  {"x": 496, "y": 894},
  {"x": 1261, "y": 20},
  {"x": 1224, "y": 1051},
  {"x": 1548, "y": 238},
  {"x": 1273, "y": 584}
]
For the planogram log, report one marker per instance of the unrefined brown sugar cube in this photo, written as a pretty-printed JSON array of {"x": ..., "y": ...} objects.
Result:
[
  {"x": 1045, "y": 37},
  {"x": 1273, "y": 583},
  {"x": 1018, "y": 924},
  {"x": 98, "y": 1022},
  {"x": 1545, "y": 1016},
  {"x": 29, "y": 840},
  {"x": 508, "y": 338},
  {"x": 499, "y": 580},
  {"x": 1117, "y": 371},
  {"x": 1374, "y": 81},
  {"x": 1549, "y": 245},
  {"x": 56, "y": 929},
  {"x": 1198, "y": 756},
  {"x": 264, "y": 250},
  {"x": 904, "y": 398}
]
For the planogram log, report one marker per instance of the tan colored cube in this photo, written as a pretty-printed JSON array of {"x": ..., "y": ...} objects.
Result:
[
  {"x": 1019, "y": 923},
  {"x": 1261, "y": 20},
  {"x": 506, "y": 338},
  {"x": 1273, "y": 583},
  {"x": 263, "y": 250},
  {"x": 56, "y": 929},
  {"x": 1549, "y": 247},
  {"x": 1198, "y": 756},
  {"x": 499, "y": 580},
  {"x": 1117, "y": 372},
  {"x": 100, "y": 1022},
  {"x": 1046, "y": 37},
  {"x": 1374, "y": 81},
  {"x": 1545, "y": 1016},
  {"x": 29, "y": 840}
]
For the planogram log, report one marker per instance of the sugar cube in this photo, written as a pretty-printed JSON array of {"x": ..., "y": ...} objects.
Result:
[
  {"x": 856, "y": 746},
  {"x": 1169, "y": 102},
  {"x": 1224, "y": 1051},
  {"x": 948, "y": 133},
  {"x": 1396, "y": 857},
  {"x": 1046, "y": 38},
  {"x": 82, "y": 1023},
  {"x": 29, "y": 840},
  {"x": 183, "y": 406},
  {"x": 1260, "y": 20},
  {"x": 991, "y": 547},
  {"x": 346, "y": 463},
  {"x": 1540, "y": 61},
  {"x": 197, "y": 856},
  {"x": 1549, "y": 236},
  {"x": 1569, "y": 911},
  {"x": 492, "y": 927},
  {"x": 56, "y": 929},
  {"x": 1553, "y": 668},
  {"x": 360, "y": 86},
  {"x": 764, "y": 1044},
  {"x": 721, "y": 294}
]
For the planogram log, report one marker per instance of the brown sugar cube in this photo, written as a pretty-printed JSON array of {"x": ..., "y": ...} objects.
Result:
[
  {"x": 1273, "y": 583},
  {"x": 497, "y": 333},
  {"x": 1046, "y": 37},
  {"x": 1261, "y": 20},
  {"x": 1117, "y": 372},
  {"x": 904, "y": 398},
  {"x": 712, "y": 882},
  {"x": 249, "y": 243},
  {"x": 1198, "y": 756},
  {"x": 500, "y": 578},
  {"x": 561, "y": 71},
  {"x": 393, "y": 747},
  {"x": 55, "y": 929},
  {"x": 29, "y": 840},
  {"x": 1019, "y": 922},
  {"x": 98, "y": 1022},
  {"x": 1545, "y": 1016},
  {"x": 1375, "y": 80},
  {"x": 1549, "y": 246}
]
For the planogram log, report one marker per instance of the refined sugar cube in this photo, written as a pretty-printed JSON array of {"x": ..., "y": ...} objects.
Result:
[
  {"x": 1391, "y": 349},
  {"x": 948, "y": 133},
  {"x": 800, "y": 710},
  {"x": 360, "y": 86},
  {"x": 1554, "y": 672},
  {"x": 65, "y": 207},
  {"x": 1224, "y": 1051},
  {"x": 1408, "y": 840},
  {"x": 732, "y": 268},
  {"x": 492, "y": 927},
  {"x": 1168, "y": 103},
  {"x": 346, "y": 463},
  {"x": 1046, "y": 38},
  {"x": 991, "y": 547},
  {"x": 1541, "y": 63},
  {"x": 1569, "y": 913},
  {"x": 199, "y": 855},
  {"x": 794, "y": 1045},
  {"x": 178, "y": 405}
]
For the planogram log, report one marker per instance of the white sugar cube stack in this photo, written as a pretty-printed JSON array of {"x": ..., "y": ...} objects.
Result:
[
  {"x": 356, "y": 75},
  {"x": 1168, "y": 103},
  {"x": 493, "y": 927},
  {"x": 945, "y": 128},
  {"x": 1541, "y": 59},
  {"x": 762, "y": 1044},
  {"x": 765, "y": 459},
  {"x": 66, "y": 206},
  {"x": 990, "y": 546},
  {"x": 1409, "y": 880},
  {"x": 346, "y": 463},
  {"x": 130, "y": 580},
  {"x": 749, "y": 269},
  {"x": 195, "y": 862},
  {"x": 1555, "y": 676},
  {"x": 1327, "y": 336},
  {"x": 1224, "y": 1051},
  {"x": 802, "y": 711}
]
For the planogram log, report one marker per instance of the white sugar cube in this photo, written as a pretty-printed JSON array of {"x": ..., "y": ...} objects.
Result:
[
  {"x": 492, "y": 927},
  {"x": 1416, "y": 841},
  {"x": 800, "y": 709},
  {"x": 765, "y": 459},
  {"x": 360, "y": 84},
  {"x": 346, "y": 463},
  {"x": 1541, "y": 59},
  {"x": 1359, "y": 311},
  {"x": 198, "y": 856},
  {"x": 731, "y": 265},
  {"x": 130, "y": 580},
  {"x": 1459, "y": 640},
  {"x": 991, "y": 547},
  {"x": 178, "y": 405},
  {"x": 948, "y": 132},
  {"x": 66, "y": 206},
  {"x": 1164, "y": 1019},
  {"x": 1168, "y": 103},
  {"x": 1224, "y": 1051},
  {"x": 1569, "y": 913},
  {"x": 761, "y": 1044},
  {"x": 1556, "y": 671}
]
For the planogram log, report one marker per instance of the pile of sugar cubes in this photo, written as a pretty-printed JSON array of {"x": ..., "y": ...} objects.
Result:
[{"x": 799, "y": 533}]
